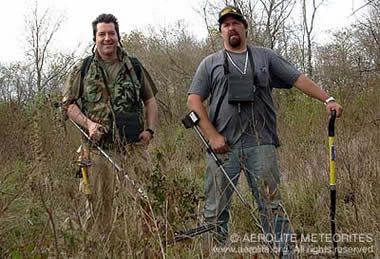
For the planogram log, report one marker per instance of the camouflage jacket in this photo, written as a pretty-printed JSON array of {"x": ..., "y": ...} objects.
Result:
[{"x": 99, "y": 100}]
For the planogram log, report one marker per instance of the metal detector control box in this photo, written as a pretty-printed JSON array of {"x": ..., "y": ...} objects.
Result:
[{"x": 190, "y": 120}]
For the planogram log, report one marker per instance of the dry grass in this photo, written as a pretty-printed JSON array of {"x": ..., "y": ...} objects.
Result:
[{"x": 39, "y": 193}]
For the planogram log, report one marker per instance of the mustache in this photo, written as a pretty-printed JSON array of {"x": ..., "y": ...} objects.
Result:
[{"x": 233, "y": 33}]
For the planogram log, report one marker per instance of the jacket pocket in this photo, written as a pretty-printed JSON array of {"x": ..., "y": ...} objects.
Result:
[{"x": 93, "y": 93}]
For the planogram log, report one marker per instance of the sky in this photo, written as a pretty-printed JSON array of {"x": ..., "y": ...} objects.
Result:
[{"x": 132, "y": 15}]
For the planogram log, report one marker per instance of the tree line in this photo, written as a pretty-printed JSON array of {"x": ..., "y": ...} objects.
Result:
[{"x": 350, "y": 58}]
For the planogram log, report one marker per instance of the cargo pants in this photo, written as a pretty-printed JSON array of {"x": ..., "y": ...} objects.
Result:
[{"x": 103, "y": 179}]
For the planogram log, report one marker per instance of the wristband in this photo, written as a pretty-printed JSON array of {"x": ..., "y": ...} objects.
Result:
[{"x": 330, "y": 99}]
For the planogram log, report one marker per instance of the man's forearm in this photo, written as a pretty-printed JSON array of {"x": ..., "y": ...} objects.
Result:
[
  {"x": 151, "y": 113},
  {"x": 310, "y": 88},
  {"x": 76, "y": 115},
  {"x": 194, "y": 103}
]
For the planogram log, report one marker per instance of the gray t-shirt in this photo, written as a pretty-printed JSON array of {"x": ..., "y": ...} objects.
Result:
[{"x": 252, "y": 123}]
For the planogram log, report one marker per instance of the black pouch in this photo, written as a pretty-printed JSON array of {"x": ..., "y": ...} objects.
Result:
[
  {"x": 241, "y": 88},
  {"x": 128, "y": 126}
]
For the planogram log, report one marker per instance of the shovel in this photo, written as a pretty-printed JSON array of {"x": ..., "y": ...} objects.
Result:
[{"x": 332, "y": 186}]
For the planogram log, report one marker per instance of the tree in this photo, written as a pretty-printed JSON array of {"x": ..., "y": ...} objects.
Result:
[
  {"x": 16, "y": 81},
  {"x": 276, "y": 13},
  {"x": 171, "y": 56},
  {"x": 367, "y": 31},
  {"x": 337, "y": 61},
  {"x": 48, "y": 65},
  {"x": 267, "y": 19},
  {"x": 308, "y": 26}
]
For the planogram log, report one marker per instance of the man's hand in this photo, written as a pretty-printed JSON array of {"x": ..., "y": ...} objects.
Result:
[
  {"x": 334, "y": 106},
  {"x": 95, "y": 130},
  {"x": 145, "y": 137},
  {"x": 218, "y": 143}
]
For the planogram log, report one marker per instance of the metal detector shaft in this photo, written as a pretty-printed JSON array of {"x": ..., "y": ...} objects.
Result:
[
  {"x": 220, "y": 165},
  {"x": 332, "y": 187},
  {"x": 140, "y": 190},
  {"x": 191, "y": 121}
]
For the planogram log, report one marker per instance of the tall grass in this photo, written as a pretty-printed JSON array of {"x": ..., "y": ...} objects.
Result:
[{"x": 41, "y": 210}]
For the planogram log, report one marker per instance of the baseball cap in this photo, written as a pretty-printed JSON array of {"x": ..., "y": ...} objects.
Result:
[{"x": 232, "y": 11}]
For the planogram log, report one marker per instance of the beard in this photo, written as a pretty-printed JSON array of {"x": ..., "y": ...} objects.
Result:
[{"x": 234, "y": 40}]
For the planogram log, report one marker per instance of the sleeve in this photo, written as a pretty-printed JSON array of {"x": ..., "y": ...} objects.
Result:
[
  {"x": 149, "y": 88},
  {"x": 71, "y": 89},
  {"x": 200, "y": 84},
  {"x": 282, "y": 73}
]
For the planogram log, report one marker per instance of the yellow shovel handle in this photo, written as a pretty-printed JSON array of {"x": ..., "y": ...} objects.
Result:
[
  {"x": 85, "y": 180},
  {"x": 332, "y": 161}
]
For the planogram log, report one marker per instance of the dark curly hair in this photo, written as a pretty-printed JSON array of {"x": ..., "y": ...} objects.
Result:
[{"x": 105, "y": 18}]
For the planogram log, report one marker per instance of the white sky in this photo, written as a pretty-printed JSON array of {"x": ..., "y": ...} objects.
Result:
[{"x": 132, "y": 15}]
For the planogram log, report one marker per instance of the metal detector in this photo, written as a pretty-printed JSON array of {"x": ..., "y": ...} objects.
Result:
[
  {"x": 191, "y": 121},
  {"x": 120, "y": 170}
]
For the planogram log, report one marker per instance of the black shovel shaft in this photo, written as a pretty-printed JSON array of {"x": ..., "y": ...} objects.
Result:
[
  {"x": 332, "y": 124},
  {"x": 332, "y": 221}
]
